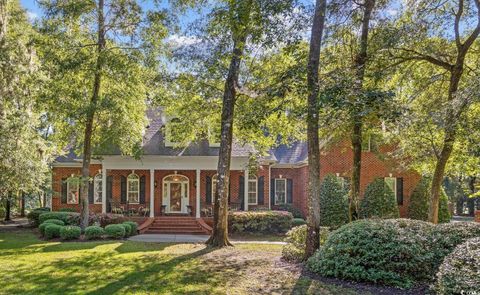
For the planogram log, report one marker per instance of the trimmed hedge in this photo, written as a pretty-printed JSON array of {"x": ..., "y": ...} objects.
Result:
[
  {"x": 128, "y": 229},
  {"x": 42, "y": 226},
  {"x": 260, "y": 222},
  {"x": 133, "y": 227},
  {"x": 116, "y": 231},
  {"x": 298, "y": 222},
  {"x": 333, "y": 203},
  {"x": 94, "y": 232},
  {"x": 378, "y": 201},
  {"x": 70, "y": 232},
  {"x": 459, "y": 272},
  {"x": 52, "y": 231},
  {"x": 34, "y": 215},
  {"x": 297, "y": 213},
  {"x": 294, "y": 250},
  {"x": 419, "y": 203},
  {"x": 66, "y": 217},
  {"x": 67, "y": 210},
  {"x": 390, "y": 252}
]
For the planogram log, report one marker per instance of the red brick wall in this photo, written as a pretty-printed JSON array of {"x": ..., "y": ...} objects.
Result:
[
  {"x": 338, "y": 159},
  {"x": 477, "y": 216}
]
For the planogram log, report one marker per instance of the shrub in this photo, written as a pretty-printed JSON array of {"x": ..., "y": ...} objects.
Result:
[
  {"x": 42, "y": 226},
  {"x": 391, "y": 252},
  {"x": 260, "y": 222},
  {"x": 66, "y": 217},
  {"x": 419, "y": 202},
  {"x": 378, "y": 201},
  {"x": 298, "y": 222},
  {"x": 133, "y": 227},
  {"x": 294, "y": 250},
  {"x": 116, "y": 231},
  {"x": 297, "y": 213},
  {"x": 105, "y": 219},
  {"x": 67, "y": 210},
  {"x": 128, "y": 229},
  {"x": 52, "y": 231},
  {"x": 333, "y": 203},
  {"x": 70, "y": 232},
  {"x": 459, "y": 272},
  {"x": 94, "y": 232},
  {"x": 34, "y": 215}
]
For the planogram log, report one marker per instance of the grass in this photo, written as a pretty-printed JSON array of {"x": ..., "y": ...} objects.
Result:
[{"x": 32, "y": 266}]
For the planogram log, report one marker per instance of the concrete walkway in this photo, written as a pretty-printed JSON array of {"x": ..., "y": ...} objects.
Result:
[{"x": 174, "y": 238}]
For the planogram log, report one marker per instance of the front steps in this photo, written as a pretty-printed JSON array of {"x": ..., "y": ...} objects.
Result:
[{"x": 176, "y": 225}]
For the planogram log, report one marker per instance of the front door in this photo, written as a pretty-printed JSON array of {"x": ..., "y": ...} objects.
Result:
[{"x": 175, "y": 194}]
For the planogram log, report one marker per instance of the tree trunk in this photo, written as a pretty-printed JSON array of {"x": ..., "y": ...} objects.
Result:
[
  {"x": 359, "y": 68},
  {"x": 313, "y": 201},
  {"x": 219, "y": 237},
  {"x": 8, "y": 206},
  {"x": 22, "y": 209},
  {"x": 87, "y": 142},
  {"x": 471, "y": 201}
]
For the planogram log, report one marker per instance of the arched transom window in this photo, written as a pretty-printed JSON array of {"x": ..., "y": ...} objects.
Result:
[
  {"x": 133, "y": 188},
  {"x": 97, "y": 189}
]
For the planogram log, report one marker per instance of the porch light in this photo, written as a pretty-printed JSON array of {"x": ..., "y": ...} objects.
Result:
[
  {"x": 155, "y": 184},
  {"x": 280, "y": 175},
  {"x": 338, "y": 174},
  {"x": 390, "y": 175}
]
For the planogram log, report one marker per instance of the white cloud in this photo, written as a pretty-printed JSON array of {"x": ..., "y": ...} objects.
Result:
[
  {"x": 32, "y": 15},
  {"x": 177, "y": 41}
]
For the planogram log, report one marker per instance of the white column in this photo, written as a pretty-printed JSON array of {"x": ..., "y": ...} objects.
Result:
[
  {"x": 152, "y": 192},
  {"x": 104, "y": 189},
  {"x": 269, "y": 186},
  {"x": 197, "y": 192},
  {"x": 245, "y": 195}
]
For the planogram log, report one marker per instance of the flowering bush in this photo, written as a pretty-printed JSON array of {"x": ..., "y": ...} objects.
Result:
[
  {"x": 459, "y": 272},
  {"x": 104, "y": 219},
  {"x": 260, "y": 222},
  {"x": 391, "y": 252},
  {"x": 294, "y": 250}
]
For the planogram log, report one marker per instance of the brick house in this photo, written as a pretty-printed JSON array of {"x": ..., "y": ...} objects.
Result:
[{"x": 169, "y": 180}]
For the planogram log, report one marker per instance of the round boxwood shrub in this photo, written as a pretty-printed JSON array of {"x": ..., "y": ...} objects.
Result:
[
  {"x": 128, "y": 229},
  {"x": 333, "y": 203},
  {"x": 70, "y": 232},
  {"x": 94, "y": 232},
  {"x": 420, "y": 199},
  {"x": 298, "y": 222},
  {"x": 34, "y": 215},
  {"x": 133, "y": 227},
  {"x": 391, "y": 252},
  {"x": 52, "y": 230},
  {"x": 294, "y": 250},
  {"x": 42, "y": 226},
  {"x": 116, "y": 231},
  {"x": 66, "y": 217},
  {"x": 378, "y": 201},
  {"x": 459, "y": 272}
]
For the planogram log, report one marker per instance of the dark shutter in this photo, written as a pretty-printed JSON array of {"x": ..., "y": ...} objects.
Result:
[
  {"x": 208, "y": 197},
  {"x": 272, "y": 192},
  {"x": 289, "y": 191},
  {"x": 64, "y": 191},
  {"x": 142, "y": 189},
  {"x": 90, "y": 192},
  {"x": 261, "y": 185},
  {"x": 109, "y": 193},
  {"x": 241, "y": 192},
  {"x": 400, "y": 191},
  {"x": 123, "y": 189}
]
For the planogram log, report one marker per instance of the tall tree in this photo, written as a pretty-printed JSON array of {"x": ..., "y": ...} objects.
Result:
[
  {"x": 433, "y": 21},
  {"x": 313, "y": 201},
  {"x": 102, "y": 61}
]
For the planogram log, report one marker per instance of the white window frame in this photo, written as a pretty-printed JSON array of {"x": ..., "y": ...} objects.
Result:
[
  {"x": 252, "y": 179},
  {"x": 73, "y": 181},
  {"x": 137, "y": 180},
  {"x": 285, "y": 191},
  {"x": 97, "y": 188},
  {"x": 394, "y": 185}
]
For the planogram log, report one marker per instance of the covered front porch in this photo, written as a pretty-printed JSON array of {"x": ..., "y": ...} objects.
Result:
[{"x": 162, "y": 186}]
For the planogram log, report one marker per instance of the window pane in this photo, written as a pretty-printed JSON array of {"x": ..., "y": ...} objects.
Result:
[
  {"x": 133, "y": 186},
  {"x": 390, "y": 182},
  {"x": 252, "y": 186},
  {"x": 280, "y": 191},
  {"x": 133, "y": 197},
  {"x": 72, "y": 192},
  {"x": 252, "y": 198}
]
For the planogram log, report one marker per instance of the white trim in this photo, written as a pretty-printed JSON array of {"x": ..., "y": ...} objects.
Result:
[
  {"x": 394, "y": 186},
  {"x": 104, "y": 189},
  {"x": 269, "y": 187},
  {"x": 275, "y": 185},
  {"x": 245, "y": 190},
  {"x": 96, "y": 188},
  {"x": 197, "y": 193},
  {"x": 185, "y": 199},
  {"x": 152, "y": 192},
  {"x": 68, "y": 191},
  {"x": 296, "y": 165},
  {"x": 128, "y": 187},
  {"x": 256, "y": 190}
]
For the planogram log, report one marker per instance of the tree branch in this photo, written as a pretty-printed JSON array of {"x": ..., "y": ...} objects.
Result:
[{"x": 420, "y": 56}]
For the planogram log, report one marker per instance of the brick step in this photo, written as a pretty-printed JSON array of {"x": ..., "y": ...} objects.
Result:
[
  {"x": 176, "y": 228},
  {"x": 189, "y": 232},
  {"x": 175, "y": 219},
  {"x": 174, "y": 223}
]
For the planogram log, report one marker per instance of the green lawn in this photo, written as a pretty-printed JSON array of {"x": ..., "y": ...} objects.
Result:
[{"x": 32, "y": 266}]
